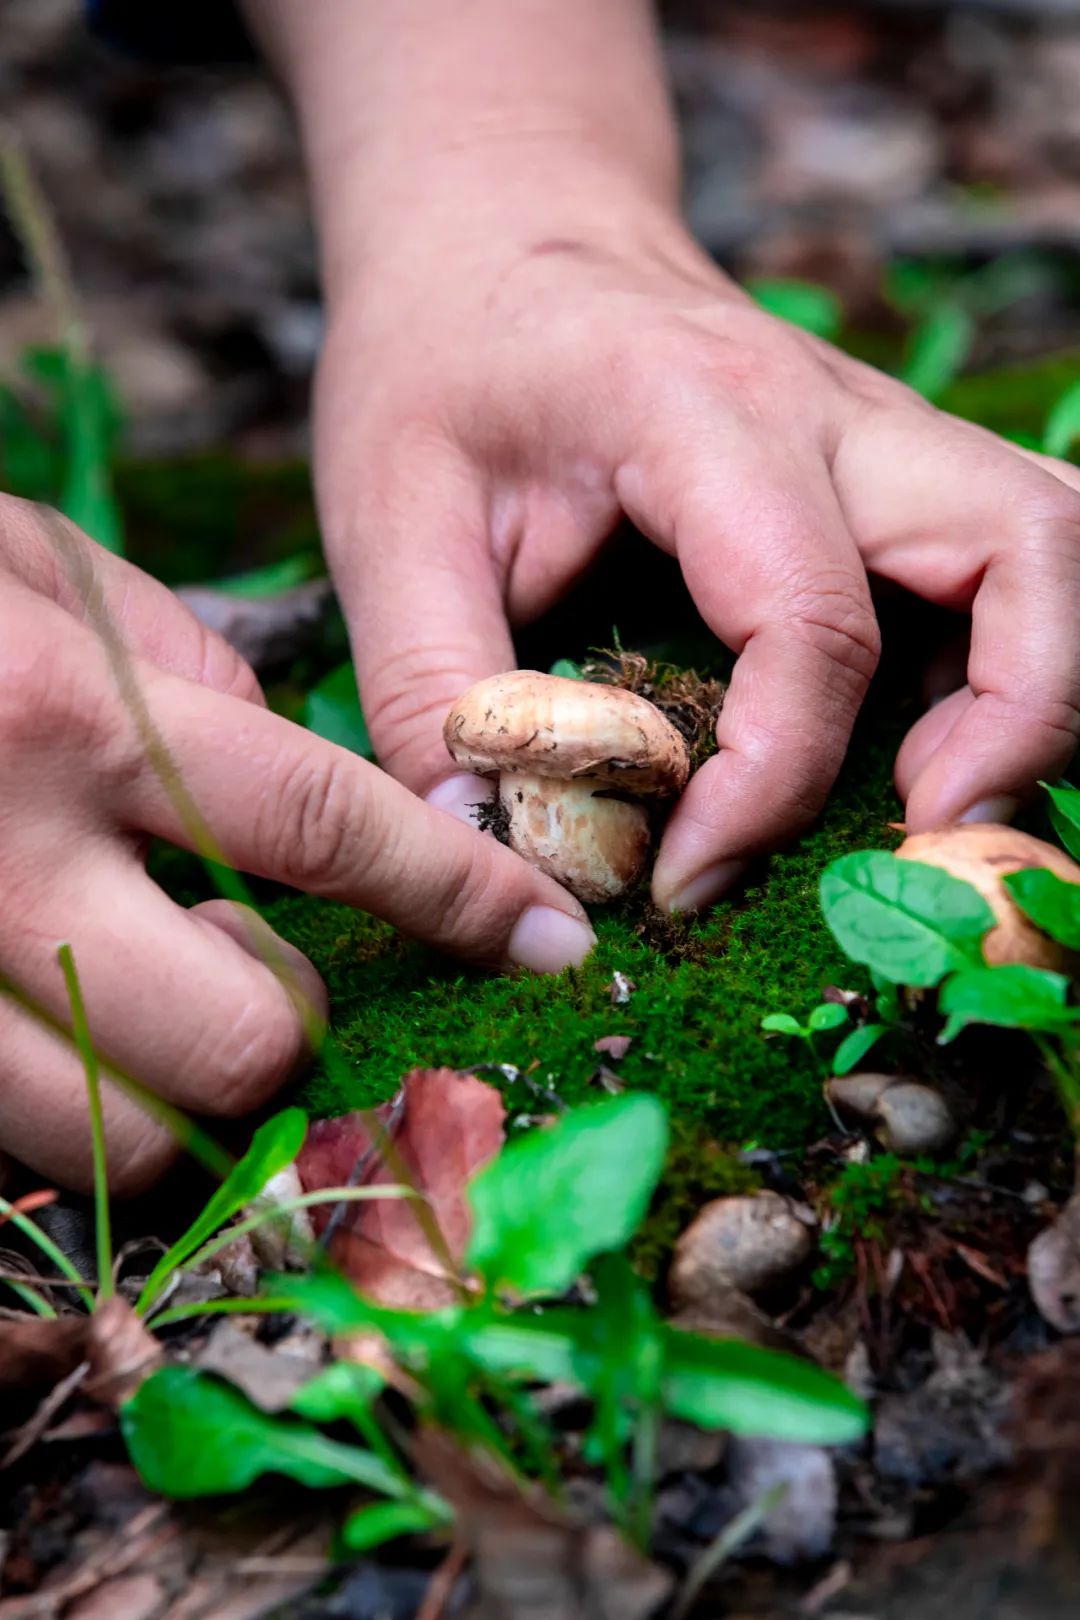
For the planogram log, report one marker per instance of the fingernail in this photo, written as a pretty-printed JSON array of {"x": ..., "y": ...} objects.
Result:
[
  {"x": 708, "y": 886},
  {"x": 546, "y": 941},
  {"x": 460, "y": 796},
  {"x": 1002, "y": 808}
]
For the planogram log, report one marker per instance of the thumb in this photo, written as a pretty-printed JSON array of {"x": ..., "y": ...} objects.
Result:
[{"x": 420, "y": 590}]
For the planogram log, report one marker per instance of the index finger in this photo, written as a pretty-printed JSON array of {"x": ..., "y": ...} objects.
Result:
[
  {"x": 286, "y": 805},
  {"x": 776, "y": 575}
]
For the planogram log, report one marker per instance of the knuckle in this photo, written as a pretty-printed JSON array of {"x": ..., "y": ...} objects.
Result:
[
  {"x": 407, "y": 697},
  {"x": 834, "y": 613},
  {"x": 263, "y": 1047},
  {"x": 315, "y": 821}
]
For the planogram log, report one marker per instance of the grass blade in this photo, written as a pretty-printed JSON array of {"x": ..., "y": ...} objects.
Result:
[
  {"x": 48, "y": 1248},
  {"x": 81, "y": 1031}
]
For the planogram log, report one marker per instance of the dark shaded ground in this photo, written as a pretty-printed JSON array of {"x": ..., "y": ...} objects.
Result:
[{"x": 820, "y": 139}]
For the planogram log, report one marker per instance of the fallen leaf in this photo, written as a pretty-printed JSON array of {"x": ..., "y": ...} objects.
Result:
[
  {"x": 615, "y": 1046},
  {"x": 36, "y": 1352},
  {"x": 268, "y": 1375},
  {"x": 529, "y": 1559},
  {"x": 443, "y": 1128},
  {"x": 121, "y": 1352}
]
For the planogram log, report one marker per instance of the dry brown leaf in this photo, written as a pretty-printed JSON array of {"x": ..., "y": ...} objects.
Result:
[
  {"x": 36, "y": 1352},
  {"x": 121, "y": 1352},
  {"x": 615, "y": 1046},
  {"x": 443, "y": 1128},
  {"x": 529, "y": 1560}
]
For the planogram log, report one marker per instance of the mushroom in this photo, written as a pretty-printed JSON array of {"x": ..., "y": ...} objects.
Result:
[
  {"x": 982, "y": 853},
  {"x": 573, "y": 759},
  {"x": 906, "y": 1116}
]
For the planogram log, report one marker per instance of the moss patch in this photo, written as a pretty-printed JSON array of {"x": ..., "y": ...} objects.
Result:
[{"x": 702, "y": 988}]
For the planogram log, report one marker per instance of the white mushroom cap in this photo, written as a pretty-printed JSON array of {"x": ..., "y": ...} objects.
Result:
[{"x": 549, "y": 725}]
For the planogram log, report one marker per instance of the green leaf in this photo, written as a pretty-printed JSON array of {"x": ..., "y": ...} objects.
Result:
[
  {"x": 333, "y": 711},
  {"x": 1063, "y": 424},
  {"x": 803, "y": 303},
  {"x": 380, "y": 1522},
  {"x": 1012, "y": 996},
  {"x": 554, "y": 1199},
  {"x": 854, "y": 1047},
  {"x": 344, "y": 1390},
  {"x": 829, "y": 1015},
  {"x": 189, "y": 1434},
  {"x": 910, "y": 922},
  {"x": 725, "y": 1384},
  {"x": 781, "y": 1024},
  {"x": 1065, "y": 814},
  {"x": 567, "y": 668},
  {"x": 89, "y": 418},
  {"x": 330, "y": 1300},
  {"x": 273, "y": 1146},
  {"x": 937, "y": 348},
  {"x": 1052, "y": 904},
  {"x": 272, "y": 578}
]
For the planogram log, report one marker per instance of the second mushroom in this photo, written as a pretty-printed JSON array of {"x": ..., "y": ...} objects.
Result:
[{"x": 574, "y": 761}]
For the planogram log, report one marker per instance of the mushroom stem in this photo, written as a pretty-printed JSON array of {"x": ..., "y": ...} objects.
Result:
[{"x": 592, "y": 842}]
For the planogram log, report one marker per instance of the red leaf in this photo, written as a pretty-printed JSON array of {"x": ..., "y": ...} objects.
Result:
[
  {"x": 614, "y": 1046},
  {"x": 443, "y": 1127}
]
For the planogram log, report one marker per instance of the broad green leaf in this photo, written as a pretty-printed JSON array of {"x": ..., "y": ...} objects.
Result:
[
  {"x": 554, "y": 1199},
  {"x": 344, "y": 1390},
  {"x": 1012, "y": 996},
  {"x": 907, "y": 921},
  {"x": 803, "y": 303},
  {"x": 1052, "y": 904},
  {"x": 375, "y": 1525},
  {"x": 829, "y": 1015},
  {"x": 30, "y": 463},
  {"x": 1065, "y": 814},
  {"x": 271, "y": 578},
  {"x": 937, "y": 348},
  {"x": 330, "y": 1300},
  {"x": 1063, "y": 423},
  {"x": 273, "y": 1146},
  {"x": 189, "y": 1434},
  {"x": 854, "y": 1047},
  {"x": 566, "y": 667},
  {"x": 333, "y": 711},
  {"x": 725, "y": 1384},
  {"x": 781, "y": 1024}
]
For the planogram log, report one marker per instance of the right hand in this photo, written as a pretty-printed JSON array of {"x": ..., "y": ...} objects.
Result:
[{"x": 205, "y": 1006}]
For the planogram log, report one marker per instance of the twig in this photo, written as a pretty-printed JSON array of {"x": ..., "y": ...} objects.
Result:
[
  {"x": 442, "y": 1583},
  {"x": 34, "y": 1427}
]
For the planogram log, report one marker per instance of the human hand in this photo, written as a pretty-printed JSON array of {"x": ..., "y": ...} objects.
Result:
[
  {"x": 514, "y": 371},
  {"x": 206, "y": 1007}
]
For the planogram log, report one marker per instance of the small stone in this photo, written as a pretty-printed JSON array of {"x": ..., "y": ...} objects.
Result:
[
  {"x": 906, "y": 1116},
  {"x": 1053, "y": 1268},
  {"x": 751, "y": 1242}
]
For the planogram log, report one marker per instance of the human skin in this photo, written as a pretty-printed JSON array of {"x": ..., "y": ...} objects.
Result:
[
  {"x": 524, "y": 344},
  {"x": 206, "y": 1007}
]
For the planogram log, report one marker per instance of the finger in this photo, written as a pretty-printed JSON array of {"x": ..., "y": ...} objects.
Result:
[
  {"x": 775, "y": 574},
  {"x": 54, "y": 558},
  {"x": 283, "y": 803},
  {"x": 963, "y": 520},
  {"x": 423, "y": 601},
  {"x": 209, "y": 1024},
  {"x": 45, "y": 1120}
]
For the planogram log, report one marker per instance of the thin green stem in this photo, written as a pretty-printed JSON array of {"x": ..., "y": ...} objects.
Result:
[
  {"x": 30, "y": 1296},
  {"x": 80, "y": 1028},
  {"x": 261, "y": 1305},
  {"x": 48, "y": 1248},
  {"x": 274, "y": 1213}
]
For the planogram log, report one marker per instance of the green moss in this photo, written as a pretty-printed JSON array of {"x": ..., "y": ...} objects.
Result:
[
  {"x": 696, "y": 1170},
  {"x": 702, "y": 988}
]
